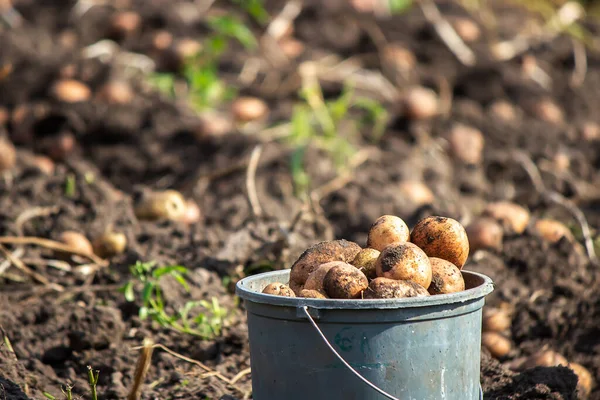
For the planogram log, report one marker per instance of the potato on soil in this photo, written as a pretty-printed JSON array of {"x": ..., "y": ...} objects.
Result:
[
  {"x": 315, "y": 279},
  {"x": 386, "y": 230},
  {"x": 585, "y": 380},
  {"x": 484, "y": 233},
  {"x": 421, "y": 103},
  {"x": 366, "y": 261},
  {"x": 168, "y": 204},
  {"x": 498, "y": 345},
  {"x": 317, "y": 254},
  {"x": 312, "y": 294},
  {"x": 278, "y": 289},
  {"x": 496, "y": 320},
  {"x": 545, "y": 358},
  {"x": 442, "y": 237},
  {"x": 445, "y": 277},
  {"x": 404, "y": 261},
  {"x": 551, "y": 230},
  {"x": 345, "y": 282},
  {"x": 513, "y": 217},
  {"x": 8, "y": 155},
  {"x": 70, "y": 91},
  {"x": 76, "y": 241},
  {"x": 110, "y": 244},
  {"x": 385, "y": 288}
]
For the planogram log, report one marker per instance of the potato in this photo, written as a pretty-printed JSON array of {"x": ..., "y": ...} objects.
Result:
[
  {"x": 315, "y": 279},
  {"x": 416, "y": 192},
  {"x": 551, "y": 230},
  {"x": 312, "y": 294},
  {"x": 498, "y": 345},
  {"x": 547, "y": 110},
  {"x": 70, "y": 91},
  {"x": 585, "y": 380},
  {"x": 466, "y": 144},
  {"x": 496, "y": 320},
  {"x": 320, "y": 253},
  {"x": 345, "y": 282},
  {"x": 386, "y": 230},
  {"x": 445, "y": 277},
  {"x": 278, "y": 289},
  {"x": 365, "y": 261},
  {"x": 503, "y": 110},
  {"x": 545, "y": 358},
  {"x": 442, "y": 237},
  {"x": 385, "y": 288},
  {"x": 110, "y": 244},
  {"x": 404, "y": 261},
  {"x": 421, "y": 103},
  {"x": 467, "y": 29},
  {"x": 8, "y": 155},
  {"x": 484, "y": 233},
  {"x": 75, "y": 240},
  {"x": 116, "y": 92},
  {"x": 249, "y": 109},
  {"x": 168, "y": 204},
  {"x": 513, "y": 217}
]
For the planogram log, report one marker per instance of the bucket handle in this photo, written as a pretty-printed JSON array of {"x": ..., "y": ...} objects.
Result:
[{"x": 314, "y": 324}]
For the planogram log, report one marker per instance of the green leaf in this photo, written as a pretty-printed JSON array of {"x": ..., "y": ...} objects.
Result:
[
  {"x": 147, "y": 292},
  {"x": 143, "y": 313},
  {"x": 232, "y": 27},
  {"x": 399, "y": 6},
  {"x": 179, "y": 278},
  {"x": 158, "y": 272},
  {"x": 255, "y": 8},
  {"x": 128, "y": 291},
  {"x": 48, "y": 396},
  {"x": 70, "y": 185}
]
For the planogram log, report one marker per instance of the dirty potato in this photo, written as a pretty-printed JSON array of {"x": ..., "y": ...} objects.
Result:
[
  {"x": 404, "y": 261},
  {"x": 320, "y": 253},
  {"x": 312, "y": 294},
  {"x": 386, "y": 230},
  {"x": 443, "y": 238},
  {"x": 498, "y": 345},
  {"x": 385, "y": 288},
  {"x": 278, "y": 289},
  {"x": 445, "y": 277},
  {"x": 345, "y": 282},
  {"x": 585, "y": 381},
  {"x": 315, "y": 279},
  {"x": 513, "y": 217},
  {"x": 365, "y": 261}
]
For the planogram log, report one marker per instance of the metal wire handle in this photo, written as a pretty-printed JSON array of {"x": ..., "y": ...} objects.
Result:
[{"x": 312, "y": 321}]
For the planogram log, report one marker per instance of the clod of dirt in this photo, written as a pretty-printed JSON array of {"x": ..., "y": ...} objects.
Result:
[
  {"x": 345, "y": 282},
  {"x": 497, "y": 345},
  {"x": 116, "y": 92},
  {"x": 70, "y": 91},
  {"x": 110, "y": 244},
  {"x": 552, "y": 230},
  {"x": 162, "y": 39},
  {"x": 247, "y": 108},
  {"x": 385, "y": 288},
  {"x": 278, "y": 289},
  {"x": 212, "y": 124},
  {"x": 466, "y": 29},
  {"x": 341, "y": 33},
  {"x": 124, "y": 23},
  {"x": 445, "y": 277},
  {"x": 366, "y": 261},
  {"x": 397, "y": 61},
  {"x": 4, "y": 116},
  {"x": 59, "y": 147},
  {"x": 292, "y": 48},
  {"x": 77, "y": 241},
  {"x": 96, "y": 328},
  {"x": 11, "y": 390},
  {"x": 44, "y": 164},
  {"x": 466, "y": 144},
  {"x": 513, "y": 217},
  {"x": 420, "y": 103},
  {"x": 442, "y": 237},
  {"x": 404, "y": 261},
  {"x": 503, "y": 111},
  {"x": 484, "y": 233},
  {"x": 416, "y": 192},
  {"x": 8, "y": 155},
  {"x": 496, "y": 320},
  {"x": 590, "y": 131}
]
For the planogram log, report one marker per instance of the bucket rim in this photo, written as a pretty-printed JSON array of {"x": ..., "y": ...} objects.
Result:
[{"x": 245, "y": 291}]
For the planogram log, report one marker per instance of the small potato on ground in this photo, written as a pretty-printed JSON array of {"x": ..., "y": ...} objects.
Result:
[
  {"x": 385, "y": 288},
  {"x": 110, "y": 244},
  {"x": 386, "y": 230},
  {"x": 345, "y": 282},
  {"x": 317, "y": 254},
  {"x": 278, "y": 289},
  {"x": 498, "y": 345},
  {"x": 75, "y": 240},
  {"x": 366, "y": 261},
  {"x": 442, "y": 237},
  {"x": 552, "y": 230},
  {"x": 585, "y": 380},
  {"x": 168, "y": 204},
  {"x": 513, "y": 217},
  {"x": 496, "y": 320},
  {"x": 446, "y": 277},
  {"x": 545, "y": 358},
  {"x": 404, "y": 261},
  {"x": 312, "y": 294},
  {"x": 485, "y": 233}
]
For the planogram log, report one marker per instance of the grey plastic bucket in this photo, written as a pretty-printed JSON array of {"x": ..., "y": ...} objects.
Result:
[{"x": 425, "y": 348}]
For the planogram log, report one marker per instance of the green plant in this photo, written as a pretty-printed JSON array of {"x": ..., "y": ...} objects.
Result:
[
  {"x": 201, "y": 72},
  {"x": 207, "y": 324},
  {"x": 318, "y": 122},
  {"x": 67, "y": 391}
]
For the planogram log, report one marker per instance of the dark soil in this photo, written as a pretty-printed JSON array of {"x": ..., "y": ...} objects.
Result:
[{"x": 155, "y": 143}]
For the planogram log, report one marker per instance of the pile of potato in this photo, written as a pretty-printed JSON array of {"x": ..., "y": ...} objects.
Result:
[{"x": 396, "y": 263}]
